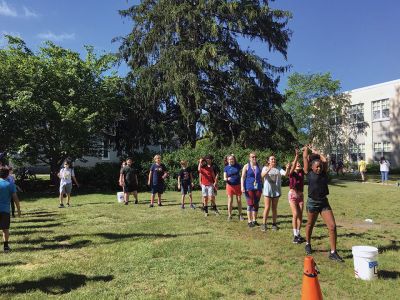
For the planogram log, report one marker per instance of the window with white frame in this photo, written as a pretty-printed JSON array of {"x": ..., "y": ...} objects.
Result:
[
  {"x": 387, "y": 147},
  {"x": 380, "y": 109},
  {"x": 361, "y": 148},
  {"x": 378, "y": 147},
  {"x": 357, "y": 113}
]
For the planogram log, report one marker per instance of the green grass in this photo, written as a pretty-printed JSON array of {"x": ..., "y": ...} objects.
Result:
[{"x": 101, "y": 249}]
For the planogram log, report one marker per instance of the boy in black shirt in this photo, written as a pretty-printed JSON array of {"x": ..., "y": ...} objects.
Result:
[
  {"x": 185, "y": 183},
  {"x": 317, "y": 202},
  {"x": 129, "y": 181}
]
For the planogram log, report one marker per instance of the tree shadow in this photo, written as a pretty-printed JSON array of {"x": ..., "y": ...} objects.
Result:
[
  {"x": 388, "y": 274},
  {"x": 54, "y": 286},
  {"x": 39, "y": 226},
  {"x": 26, "y": 232},
  {"x": 393, "y": 246},
  {"x": 59, "y": 246},
  {"x": 94, "y": 203},
  {"x": 41, "y": 214},
  {"x": 35, "y": 220},
  {"x": 122, "y": 236},
  {"x": 12, "y": 263}
]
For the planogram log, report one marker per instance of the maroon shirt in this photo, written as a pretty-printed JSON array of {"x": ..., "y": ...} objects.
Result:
[{"x": 296, "y": 181}]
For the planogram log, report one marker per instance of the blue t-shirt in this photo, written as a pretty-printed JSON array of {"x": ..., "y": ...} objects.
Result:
[
  {"x": 234, "y": 173},
  {"x": 6, "y": 191},
  {"x": 157, "y": 172}
]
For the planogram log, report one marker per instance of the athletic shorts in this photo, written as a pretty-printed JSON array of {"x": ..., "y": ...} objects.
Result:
[
  {"x": 157, "y": 189},
  {"x": 295, "y": 196},
  {"x": 130, "y": 188},
  {"x": 207, "y": 190},
  {"x": 186, "y": 189},
  {"x": 4, "y": 220},
  {"x": 317, "y": 206},
  {"x": 66, "y": 188},
  {"x": 233, "y": 190}
]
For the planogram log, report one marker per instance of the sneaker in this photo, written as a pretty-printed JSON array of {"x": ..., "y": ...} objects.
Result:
[
  {"x": 151, "y": 205},
  {"x": 229, "y": 218},
  {"x": 216, "y": 211},
  {"x": 250, "y": 224},
  {"x": 256, "y": 223},
  {"x": 308, "y": 249},
  {"x": 7, "y": 248},
  {"x": 263, "y": 227},
  {"x": 125, "y": 203},
  {"x": 182, "y": 206},
  {"x": 136, "y": 202},
  {"x": 192, "y": 206},
  {"x": 68, "y": 205},
  {"x": 159, "y": 204},
  {"x": 241, "y": 218},
  {"x": 206, "y": 214},
  {"x": 61, "y": 206},
  {"x": 300, "y": 239},
  {"x": 335, "y": 256},
  {"x": 274, "y": 227},
  {"x": 296, "y": 239}
]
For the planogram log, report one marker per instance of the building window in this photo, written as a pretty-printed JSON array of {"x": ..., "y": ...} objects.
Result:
[
  {"x": 378, "y": 147},
  {"x": 380, "y": 109},
  {"x": 106, "y": 150},
  {"x": 387, "y": 147},
  {"x": 357, "y": 113}
]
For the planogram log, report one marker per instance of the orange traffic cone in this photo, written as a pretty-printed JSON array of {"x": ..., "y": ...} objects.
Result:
[{"x": 311, "y": 289}]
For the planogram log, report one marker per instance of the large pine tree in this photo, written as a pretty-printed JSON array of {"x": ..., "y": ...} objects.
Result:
[{"x": 186, "y": 63}]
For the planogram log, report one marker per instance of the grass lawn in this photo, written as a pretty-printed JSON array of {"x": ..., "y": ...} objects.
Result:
[{"x": 101, "y": 249}]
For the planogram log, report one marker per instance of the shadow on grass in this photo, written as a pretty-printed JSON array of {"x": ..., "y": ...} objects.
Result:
[
  {"x": 12, "y": 263},
  {"x": 35, "y": 220},
  {"x": 40, "y": 214},
  {"x": 38, "y": 226},
  {"x": 394, "y": 246},
  {"x": 59, "y": 246},
  {"x": 26, "y": 232},
  {"x": 94, "y": 203},
  {"x": 54, "y": 286},
  {"x": 388, "y": 274},
  {"x": 122, "y": 236}
]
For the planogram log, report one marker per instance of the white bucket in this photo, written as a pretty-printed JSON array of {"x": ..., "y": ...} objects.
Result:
[
  {"x": 365, "y": 262},
  {"x": 120, "y": 197}
]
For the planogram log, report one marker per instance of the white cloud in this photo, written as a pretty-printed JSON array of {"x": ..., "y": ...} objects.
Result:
[
  {"x": 29, "y": 13},
  {"x": 6, "y": 10},
  {"x": 56, "y": 37}
]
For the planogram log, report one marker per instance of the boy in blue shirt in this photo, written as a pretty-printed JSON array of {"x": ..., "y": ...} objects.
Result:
[{"x": 7, "y": 191}]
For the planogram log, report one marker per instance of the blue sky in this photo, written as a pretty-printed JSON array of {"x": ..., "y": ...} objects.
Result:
[{"x": 356, "y": 40}]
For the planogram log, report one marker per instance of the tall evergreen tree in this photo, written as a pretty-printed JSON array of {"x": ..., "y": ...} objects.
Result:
[{"x": 186, "y": 61}]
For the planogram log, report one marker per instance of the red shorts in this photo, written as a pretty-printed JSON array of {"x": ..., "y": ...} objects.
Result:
[
  {"x": 233, "y": 190},
  {"x": 295, "y": 196}
]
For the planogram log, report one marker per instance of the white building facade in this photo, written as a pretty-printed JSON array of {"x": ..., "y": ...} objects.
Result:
[{"x": 379, "y": 107}]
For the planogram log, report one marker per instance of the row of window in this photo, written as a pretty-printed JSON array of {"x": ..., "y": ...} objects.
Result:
[
  {"x": 380, "y": 110},
  {"x": 378, "y": 147}
]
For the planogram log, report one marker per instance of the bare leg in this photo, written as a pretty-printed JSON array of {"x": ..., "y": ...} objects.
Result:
[
  {"x": 230, "y": 202},
  {"x": 311, "y": 219},
  {"x": 239, "y": 203},
  {"x": 68, "y": 198},
  {"x": 274, "y": 209},
  {"x": 267, "y": 203},
  {"x": 159, "y": 198},
  {"x": 152, "y": 199},
  {"x": 6, "y": 235},
  {"x": 126, "y": 197},
  {"x": 329, "y": 219},
  {"x": 61, "y": 198},
  {"x": 135, "y": 195}
]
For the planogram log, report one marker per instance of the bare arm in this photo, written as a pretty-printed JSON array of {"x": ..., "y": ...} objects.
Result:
[
  {"x": 16, "y": 201},
  {"x": 296, "y": 159},
  {"x": 305, "y": 159},
  {"x": 76, "y": 182},
  {"x": 265, "y": 172},
  {"x": 121, "y": 179},
  {"x": 149, "y": 179},
  {"x": 179, "y": 181},
  {"x": 225, "y": 176},
  {"x": 243, "y": 177}
]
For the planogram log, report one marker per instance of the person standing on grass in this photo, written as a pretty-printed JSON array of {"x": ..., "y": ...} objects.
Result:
[
  {"x": 362, "y": 168},
  {"x": 158, "y": 173},
  {"x": 7, "y": 192},
  {"x": 272, "y": 191},
  {"x": 384, "y": 166},
  {"x": 11, "y": 179},
  {"x": 129, "y": 181},
  {"x": 233, "y": 187},
  {"x": 66, "y": 175},
  {"x": 185, "y": 183},
  {"x": 317, "y": 202},
  {"x": 252, "y": 188},
  {"x": 296, "y": 198},
  {"x": 216, "y": 170},
  {"x": 207, "y": 181}
]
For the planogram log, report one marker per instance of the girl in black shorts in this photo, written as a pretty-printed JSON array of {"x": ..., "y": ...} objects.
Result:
[{"x": 317, "y": 202}]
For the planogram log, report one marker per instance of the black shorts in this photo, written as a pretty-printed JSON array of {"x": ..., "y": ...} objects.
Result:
[
  {"x": 317, "y": 206},
  {"x": 4, "y": 220},
  {"x": 130, "y": 188}
]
